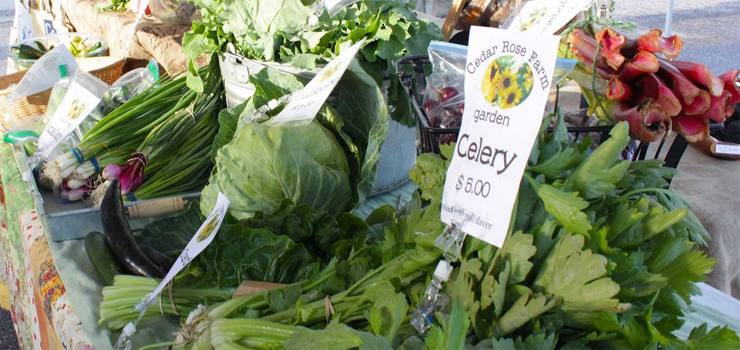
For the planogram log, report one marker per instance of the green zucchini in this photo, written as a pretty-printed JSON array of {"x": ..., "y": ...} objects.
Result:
[
  {"x": 29, "y": 52},
  {"x": 101, "y": 257},
  {"x": 39, "y": 46}
]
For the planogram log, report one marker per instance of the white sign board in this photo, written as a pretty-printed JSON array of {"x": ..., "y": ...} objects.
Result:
[
  {"x": 508, "y": 76},
  {"x": 545, "y": 16}
]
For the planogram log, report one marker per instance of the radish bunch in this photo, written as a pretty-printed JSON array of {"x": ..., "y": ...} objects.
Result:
[{"x": 653, "y": 93}]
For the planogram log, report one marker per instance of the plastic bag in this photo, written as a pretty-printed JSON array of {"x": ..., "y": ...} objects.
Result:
[
  {"x": 124, "y": 89},
  {"x": 444, "y": 100}
]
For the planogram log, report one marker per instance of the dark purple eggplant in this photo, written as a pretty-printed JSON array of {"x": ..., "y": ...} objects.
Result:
[
  {"x": 157, "y": 257},
  {"x": 120, "y": 237}
]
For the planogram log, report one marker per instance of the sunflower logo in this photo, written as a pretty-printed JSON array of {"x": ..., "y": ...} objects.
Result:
[{"x": 507, "y": 83}]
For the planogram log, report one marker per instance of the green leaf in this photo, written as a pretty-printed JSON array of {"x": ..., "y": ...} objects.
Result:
[
  {"x": 578, "y": 277},
  {"x": 335, "y": 336},
  {"x": 600, "y": 172},
  {"x": 518, "y": 249},
  {"x": 715, "y": 338},
  {"x": 563, "y": 206},
  {"x": 430, "y": 172},
  {"x": 526, "y": 308},
  {"x": 675, "y": 260},
  {"x": 453, "y": 332}
]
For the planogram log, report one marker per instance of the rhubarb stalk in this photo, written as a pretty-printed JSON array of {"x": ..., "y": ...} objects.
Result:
[
  {"x": 653, "y": 42},
  {"x": 611, "y": 43},
  {"x": 693, "y": 128},
  {"x": 694, "y": 99},
  {"x": 618, "y": 90},
  {"x": 648, "y": 121},
  {"x": 720, "y": 108},
  {"x": 732, "y": 84},
  {"x": 653, "y": 87},
  {"x": 585, "y": 48},
  {"x": 699, "y": 74},
  {"x": 643, "y": 63}
]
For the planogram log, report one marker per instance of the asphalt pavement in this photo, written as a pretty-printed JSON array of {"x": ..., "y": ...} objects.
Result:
[{"x": 710, "y": 29}]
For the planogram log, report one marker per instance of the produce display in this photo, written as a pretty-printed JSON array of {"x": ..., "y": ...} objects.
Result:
[
  {"x": 299, "y": 33},
  {"x": 625, "y": 79},
  {"x": 601, "y": 254},
  {"x": 78, "y": 46}
]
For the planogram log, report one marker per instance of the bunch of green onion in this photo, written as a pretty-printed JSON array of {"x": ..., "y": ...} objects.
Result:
[{"x": 155, "y": 144}]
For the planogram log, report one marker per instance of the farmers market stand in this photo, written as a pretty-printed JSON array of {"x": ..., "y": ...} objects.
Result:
[{"x": 55, "y": 296}]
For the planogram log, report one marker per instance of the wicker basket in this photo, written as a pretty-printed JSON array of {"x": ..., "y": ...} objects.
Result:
[{"x": 107, "y": 69}]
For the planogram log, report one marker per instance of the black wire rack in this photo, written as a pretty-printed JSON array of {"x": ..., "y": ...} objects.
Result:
[{"x": 413, "y": 70}]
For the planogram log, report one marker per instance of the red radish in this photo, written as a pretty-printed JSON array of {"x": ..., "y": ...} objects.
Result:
[
  {"x": 430, "y": 104},
  {"x": 691, "y": 127},
  {"x": 447, "y": 93},
  {"x": 719, "y": 108},
  {"x": 699, "y": 74},
  {"x": 643, "y": 63},
  {"x": 653, "y": 42},
  {"x": 647, "y": 121},
  {"x": 652, "y": 87},
  {"x": 684, "y": 89},
  {"x": 618, "y": 90},
  {"x": 731, "y": 81},
  {"x": 611, "y": 43}
]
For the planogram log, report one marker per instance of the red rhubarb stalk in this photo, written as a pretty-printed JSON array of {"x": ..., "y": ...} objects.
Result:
[
  {"x": 585, "y": 47},
  {"x": 693, "y": 128},
  {"x": 699, "y": 74},
  {"x": 653, "y": 87},
  {"x": 618, "y": 90},
  {"x": 732, "y": 84},
  {"x": 648, "y": 121},
  {"x": 719, "y": 108},
  {"x": 653, "y": 42},
  {"x": 694, "y": 99},
  {"x": 643, "y": 63},
  {"x": 611, "y": 43}
]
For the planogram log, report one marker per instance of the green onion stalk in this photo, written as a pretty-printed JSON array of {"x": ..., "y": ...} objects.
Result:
[
  {"x": 124, "y": 128},
  {"x": 186, "y": 133}
]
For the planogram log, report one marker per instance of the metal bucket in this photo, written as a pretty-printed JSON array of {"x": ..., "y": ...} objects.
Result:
[{"x": 398, "y": 152}]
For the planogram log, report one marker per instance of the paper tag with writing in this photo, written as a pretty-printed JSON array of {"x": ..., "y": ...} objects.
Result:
[
  {"x": 202, "y": 238},
  {"x": 23, "y": 22},
  {"x": 44, "y": 72},
  {"x": 726, "y": 148},
  {"x": 334, "y": 6},
  {"x": 83, "y": 94},
  {"x": 508, "y": 76},
  {"x": 306, "y": 103},
  {"x": 546, "y": 16}
]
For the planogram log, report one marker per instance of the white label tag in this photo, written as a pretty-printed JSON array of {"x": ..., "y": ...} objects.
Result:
[
  {"x": 508, "y": 76},
  {"x": 333, "y": 6},
  {"x": 725, "y": 148},
  {"x": 546, "y": 16},
  {"x": 306, "y": 103},
  {"x": 45, "y": 72},
  {"x": 202, "y": 238},
  {"x": 77, "y": 103}
]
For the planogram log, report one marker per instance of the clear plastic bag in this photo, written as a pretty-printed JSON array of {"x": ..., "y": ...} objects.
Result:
[
  {"x": 124, "y": 89},
  {"x": 444, "y": 98}
]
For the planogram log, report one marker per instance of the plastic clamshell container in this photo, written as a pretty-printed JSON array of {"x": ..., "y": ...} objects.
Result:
[
  {"x": 76, "y": 219},
  {"x": 58, "y": 39}
]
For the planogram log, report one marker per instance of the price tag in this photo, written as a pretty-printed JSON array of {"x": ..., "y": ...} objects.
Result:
[
  {"x": 23, "y": 22},
  {"x": 202, "y": 238},
  {"x": 508, "y": 76},
  {"x": 83, "y": 94},
  {"x": 546, "y": 16},
  {"x": 306, "y": 103},
  {"x": 726, "y": 148}
]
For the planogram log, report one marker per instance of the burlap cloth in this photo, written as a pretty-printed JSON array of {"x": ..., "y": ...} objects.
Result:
[{"x": 713, "y": 187}]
